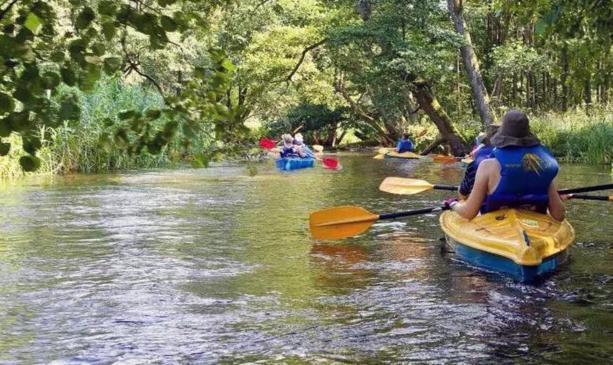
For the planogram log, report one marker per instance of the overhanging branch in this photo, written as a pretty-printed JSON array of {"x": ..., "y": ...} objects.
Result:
[{"x": 304, "y": 53}]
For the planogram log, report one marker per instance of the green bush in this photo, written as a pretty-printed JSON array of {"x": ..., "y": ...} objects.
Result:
[{"x": 577, "y": 136}]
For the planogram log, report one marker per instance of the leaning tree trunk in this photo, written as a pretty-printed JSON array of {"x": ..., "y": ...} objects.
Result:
[
  {"x": 471, "y": 64},
  {"x": 429, "y": 104}
]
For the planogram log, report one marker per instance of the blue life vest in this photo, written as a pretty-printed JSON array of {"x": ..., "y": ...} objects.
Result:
[
  {"x": 483, "y": 153},
  {"x": 525, "y": 176},
  {"x": 306, "y": 150},
  {"x": 405, "y": 145},
  {"x": 288, "y": 152}
]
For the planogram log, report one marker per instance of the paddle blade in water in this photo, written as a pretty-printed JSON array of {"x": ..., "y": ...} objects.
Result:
[
  {"x": 444, "y": 159},
  {"x": 267, "y": 143},
  {"x": 380, "y": 156},
  {"x": 384, "y": 150},
  {"x": 340, "y": 222},
  {"x": 404, "y": 186},
  {"x": 331, "y": 163}
]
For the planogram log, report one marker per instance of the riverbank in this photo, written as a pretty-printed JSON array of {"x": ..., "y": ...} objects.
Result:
[{"x": 575, "y": 136}]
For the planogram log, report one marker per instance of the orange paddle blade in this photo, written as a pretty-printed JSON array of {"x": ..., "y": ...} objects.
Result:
[
  {"x": 444, "y": 159},
  {"x": 340, "y": 222},
  {"x": 404, "y": 186}
]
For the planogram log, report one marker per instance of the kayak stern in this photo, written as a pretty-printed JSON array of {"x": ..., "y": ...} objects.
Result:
[{"x": 522, "y": 244}]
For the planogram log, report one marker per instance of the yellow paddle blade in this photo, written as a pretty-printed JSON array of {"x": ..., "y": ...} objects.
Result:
[
  {"x": 467, "y": 160},
  {"x": 380, "y": 156},
  {"x": 404, "y": 186},
  {"x": 384, "y": 150},
  {"x": 340, "y": 222},
  {"x": 318, "y": 148}
]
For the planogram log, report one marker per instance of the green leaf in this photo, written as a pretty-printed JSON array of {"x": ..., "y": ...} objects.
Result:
[
  {"x": 5, "y": 148},
  {"x": 166, "y": 2},
  {"x": 112, "y": 65},
  {"x": 33, "y": 23},
  {"x": 23, "y": 94},
  {"x": 5, "y": 127},
  {"x": 29, "y": 163},
  {"x": 168, "y": 23},
  {"x": 68, "y": 76},
  {"x": 6, "y": 103},
  {"x": 51, "y": 80},
  {"x": 109, "y": 30},
  {"x": 107, "y": 7},
  {"x": 85, "y": 18}
]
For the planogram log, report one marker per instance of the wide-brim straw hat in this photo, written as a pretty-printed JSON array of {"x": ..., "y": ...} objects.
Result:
[{"x": 514, "y": 131}]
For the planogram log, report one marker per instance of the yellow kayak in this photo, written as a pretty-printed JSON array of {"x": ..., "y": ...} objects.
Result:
[
  {"x": 394, "y": 154},
  {"x": 522, "y": 244}
]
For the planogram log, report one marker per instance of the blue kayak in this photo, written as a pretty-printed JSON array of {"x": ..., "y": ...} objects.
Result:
[{"x": 292, "y": 163}]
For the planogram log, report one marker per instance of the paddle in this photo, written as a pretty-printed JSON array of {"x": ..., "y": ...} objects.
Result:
[
  {"x": 591, "y": 197},
  {"x": 406, "y": 186},
  {"x": 331, "y": 163},
  {"x": 267, "y": 144},
  {"x": 342, "y": 222}
]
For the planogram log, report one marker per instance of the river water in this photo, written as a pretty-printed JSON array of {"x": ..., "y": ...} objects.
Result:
[{"x": 214, "y": 266}]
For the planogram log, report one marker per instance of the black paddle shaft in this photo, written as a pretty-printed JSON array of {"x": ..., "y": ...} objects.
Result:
[
  {"x": 584, "y": 189},
  {"x": 590, "y": 197},
  {"x": 412, "y": 212}
]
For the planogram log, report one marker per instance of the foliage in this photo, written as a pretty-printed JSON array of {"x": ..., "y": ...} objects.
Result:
[
  {"x": 47, "y": 44},
  {"x": 577, "y": 136}
]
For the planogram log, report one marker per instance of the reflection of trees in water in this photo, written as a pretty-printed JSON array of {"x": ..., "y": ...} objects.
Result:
[{"x": 338, "y": 267}]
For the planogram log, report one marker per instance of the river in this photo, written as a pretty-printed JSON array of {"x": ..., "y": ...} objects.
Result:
[{"x": 214, "y": 266}]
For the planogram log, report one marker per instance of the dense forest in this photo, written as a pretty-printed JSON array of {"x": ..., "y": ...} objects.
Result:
[{"x": 99, "y": 85}]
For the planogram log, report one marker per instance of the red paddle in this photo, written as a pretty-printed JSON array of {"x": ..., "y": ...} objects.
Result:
[
  {"x": 331, "y": 163},
  {"x": 268, "y": 144}
]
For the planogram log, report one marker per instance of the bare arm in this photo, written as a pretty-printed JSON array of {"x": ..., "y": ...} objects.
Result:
[
  {"x": 556, "y": 206},
  {"x": 470, "y": 208}
]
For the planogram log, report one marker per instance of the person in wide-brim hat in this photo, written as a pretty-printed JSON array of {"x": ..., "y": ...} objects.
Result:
[{"x": 519, "y": 174}]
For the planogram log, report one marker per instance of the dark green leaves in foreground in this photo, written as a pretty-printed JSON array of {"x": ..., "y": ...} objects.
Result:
[{"x": 39, "y": 55}]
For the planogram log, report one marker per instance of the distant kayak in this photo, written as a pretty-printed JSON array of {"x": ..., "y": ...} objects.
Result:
[
  {"x": 408, "y": 155},
  {"x": 518, "y": 243},
  {"x": 292, "y": 163}
]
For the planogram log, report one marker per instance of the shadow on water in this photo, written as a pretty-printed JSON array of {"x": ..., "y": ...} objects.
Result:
[{"x": 214, "y": 266}]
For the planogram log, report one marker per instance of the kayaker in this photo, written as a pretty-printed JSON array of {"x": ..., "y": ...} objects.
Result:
[
  {"x": 299, "y": 143},
  {"x": 289, "y": 149},
  {"x": 483, "y": 151},
  {"x": 519, "y": 175},
  {"x": 405, "y": 144}
]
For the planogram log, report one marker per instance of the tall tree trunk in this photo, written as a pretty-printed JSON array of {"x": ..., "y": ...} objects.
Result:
[
  {"x": 430, "y": 105},
  {"x": 471, "y": 64},
  {"x": 564, "y": 77}
]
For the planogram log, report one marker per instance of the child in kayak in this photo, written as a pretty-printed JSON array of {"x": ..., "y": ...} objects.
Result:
[
  {"x": 303, "y": 149},
  {"x": 520, "y": 174},
  {"x": 289, "y": 150},
  {"x": 405, "y": 144}
]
